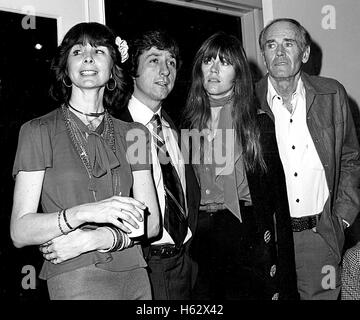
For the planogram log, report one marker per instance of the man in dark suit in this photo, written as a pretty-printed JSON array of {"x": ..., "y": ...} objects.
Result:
[
  {"x": 319, "y": 151},
  {"x": 154, "y": 63}
]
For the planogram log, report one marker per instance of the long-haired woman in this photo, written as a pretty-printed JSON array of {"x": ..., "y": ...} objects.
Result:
[{"x": 243, "y": 243}]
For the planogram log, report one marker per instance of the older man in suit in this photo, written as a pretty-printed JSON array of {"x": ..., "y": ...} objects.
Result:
[
  {"x": 155, "y": 60},
  {"x": 319, "y": 151}
]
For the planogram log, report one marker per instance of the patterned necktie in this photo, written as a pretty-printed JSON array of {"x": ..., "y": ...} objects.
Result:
[{"x": 175, "y": 221}]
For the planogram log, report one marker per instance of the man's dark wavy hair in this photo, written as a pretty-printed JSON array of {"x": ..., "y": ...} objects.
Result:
[
  {"x": 152, "y": 38},
  {"x": 95, "y": 34}
]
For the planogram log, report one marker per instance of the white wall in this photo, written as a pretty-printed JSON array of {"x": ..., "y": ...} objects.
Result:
[{"x": 340, "y": 46}]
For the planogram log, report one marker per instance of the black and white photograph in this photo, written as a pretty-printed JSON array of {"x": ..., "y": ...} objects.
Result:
[{"x": 183, "y": 154}]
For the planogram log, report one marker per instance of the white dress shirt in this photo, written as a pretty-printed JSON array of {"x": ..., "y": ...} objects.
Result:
[
  {"x": 305, "y": 175},
  {"x": 141, "y": 113}
]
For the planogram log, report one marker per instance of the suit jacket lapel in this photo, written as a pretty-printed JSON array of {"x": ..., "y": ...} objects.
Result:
[{"x": 261, "y": 94}]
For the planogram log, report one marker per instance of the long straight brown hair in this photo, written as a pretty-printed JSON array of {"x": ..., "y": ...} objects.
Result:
[{"x": 197, "y": 110}]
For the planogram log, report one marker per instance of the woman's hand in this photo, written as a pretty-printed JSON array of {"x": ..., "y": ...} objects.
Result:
[
  {"x": 28, "y": 227},
  {"x": 75, "y": 243},
  {"x": 65, "y": 247},
  {"x": 144, "y": 190},
  {"x": 114, "y": 210}
]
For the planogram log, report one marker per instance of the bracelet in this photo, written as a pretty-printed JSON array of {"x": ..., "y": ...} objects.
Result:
[
  {"x": 59, "y": 224},
  {"x": 128, "y": 241},
  {"x": 124, "y": 241},
  {"x": 66, "y": 221},
  {"x": 114, "y": 241},
  {"x": 120, "y": 240}
]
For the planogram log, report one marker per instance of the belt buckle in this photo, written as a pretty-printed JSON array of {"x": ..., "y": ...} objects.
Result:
[
  {"x": 166, "y": 251},
  {"x": 163, "y": 252},
  {"x": 169, "y": 251}
]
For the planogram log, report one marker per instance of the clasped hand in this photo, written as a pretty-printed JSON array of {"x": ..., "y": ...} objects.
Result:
[{"x": 114, "y": 210}]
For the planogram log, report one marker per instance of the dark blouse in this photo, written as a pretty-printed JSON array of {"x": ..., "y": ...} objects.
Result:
[{"x": 45, "y": 144}]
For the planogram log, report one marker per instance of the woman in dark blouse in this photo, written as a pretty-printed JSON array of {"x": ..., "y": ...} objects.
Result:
[
  {"x": 75, "y": 161},
  {"x": 241, "y": 252}
]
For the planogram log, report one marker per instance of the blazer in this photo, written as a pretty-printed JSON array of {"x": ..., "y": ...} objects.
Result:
[
  {"x": 192, "y": 187},
  {"x": 332, "y": 129}
]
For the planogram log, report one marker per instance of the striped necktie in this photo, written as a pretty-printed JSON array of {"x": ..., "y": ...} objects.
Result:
[{"x": 175, "y": 221}]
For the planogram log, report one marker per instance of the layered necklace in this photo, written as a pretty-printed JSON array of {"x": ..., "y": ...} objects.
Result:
[
  {"x": 79, "y": 137},
  {"x": 94, "y": 123}
]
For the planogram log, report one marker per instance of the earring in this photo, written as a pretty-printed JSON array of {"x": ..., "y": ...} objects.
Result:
[
  {"x": 111, "y": 88},
  {"x": 65, "y": 84}
]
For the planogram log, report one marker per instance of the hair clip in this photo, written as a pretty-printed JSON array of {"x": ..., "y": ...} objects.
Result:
[{"x": 123, "y": 49}]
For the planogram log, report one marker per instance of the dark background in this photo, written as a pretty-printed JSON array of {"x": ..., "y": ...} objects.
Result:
[
  {"x": 190, "y": 27},
  {"x": 24, "y": 84},
  {"x": 24, "y": 81}
]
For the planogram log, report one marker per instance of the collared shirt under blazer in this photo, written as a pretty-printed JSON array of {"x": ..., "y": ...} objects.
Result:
[{"x": 141, "y": 113}]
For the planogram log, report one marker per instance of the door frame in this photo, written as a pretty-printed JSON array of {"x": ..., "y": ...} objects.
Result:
[{"x": 250, "y": 12}]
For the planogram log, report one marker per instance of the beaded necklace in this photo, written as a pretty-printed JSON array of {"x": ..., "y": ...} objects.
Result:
[{"x": 79, "y": 138}]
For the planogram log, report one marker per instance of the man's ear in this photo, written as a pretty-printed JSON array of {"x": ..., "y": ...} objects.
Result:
[
  {"x": 306, "y": 54},
  {"x": 263, "y": 59}
]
